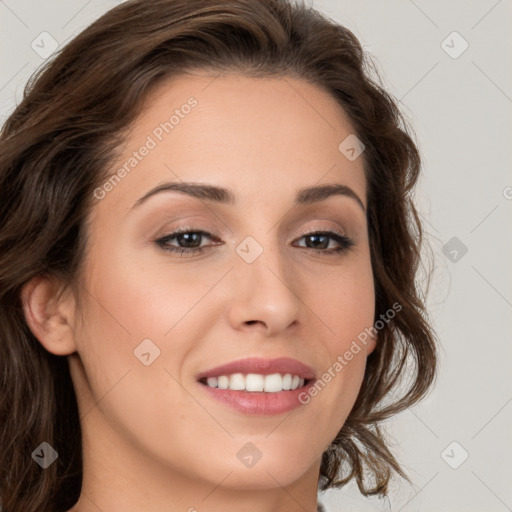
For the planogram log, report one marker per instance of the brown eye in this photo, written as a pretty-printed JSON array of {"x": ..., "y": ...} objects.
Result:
[
  {"x": 186, "y": 241},
  {"x": 190, "y": 239},
  {"x": 319, "y": 241}
]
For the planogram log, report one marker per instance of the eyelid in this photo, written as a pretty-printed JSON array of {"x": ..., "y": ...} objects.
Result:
[
  {"x": 187, "y": 229},
  {"x": 161, "y": 241},
  {"x": 345, "y": 243},
  {"x": 214, "y": 234},
  {"x": 312, "y": 231}
]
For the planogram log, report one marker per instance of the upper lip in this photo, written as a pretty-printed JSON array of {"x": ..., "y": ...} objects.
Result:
[{"x": 261, "y": 366}]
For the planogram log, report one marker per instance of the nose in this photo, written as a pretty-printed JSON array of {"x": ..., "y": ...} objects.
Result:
[{"x": 265, "y": 296}]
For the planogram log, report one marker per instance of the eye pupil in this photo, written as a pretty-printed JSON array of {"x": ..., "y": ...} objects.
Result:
[
  {"x": 317, "y": 238},
  {"x": 189, "y": 239},
  {"x": 191, "y": 242}
]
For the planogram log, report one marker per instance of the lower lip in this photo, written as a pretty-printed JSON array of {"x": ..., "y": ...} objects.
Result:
[{"x": 255, "y": 402}]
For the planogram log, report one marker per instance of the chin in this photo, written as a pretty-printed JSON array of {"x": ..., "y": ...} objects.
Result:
[{"x": 266, "y": 475}]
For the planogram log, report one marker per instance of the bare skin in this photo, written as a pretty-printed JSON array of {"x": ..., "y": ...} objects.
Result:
[{"x": 153, "y": 439}]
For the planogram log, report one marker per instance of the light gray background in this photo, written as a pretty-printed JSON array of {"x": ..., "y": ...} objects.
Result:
[{"x": 460, "y": 109}]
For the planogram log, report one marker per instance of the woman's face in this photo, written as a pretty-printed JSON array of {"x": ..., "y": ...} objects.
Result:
[{"x": 154, "y": 318}]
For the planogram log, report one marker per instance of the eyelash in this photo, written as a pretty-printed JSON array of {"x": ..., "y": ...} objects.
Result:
[{"x": 345, "y": 243}]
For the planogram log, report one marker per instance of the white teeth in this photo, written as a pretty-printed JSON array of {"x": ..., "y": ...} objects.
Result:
[
  {"x": 273, "y": 383},
  {"x": 212, "y": 382},
  {"x": 223, "y": 382},
  {"x": 237, "y": 382},
  {"x": 255, "y": 382}
]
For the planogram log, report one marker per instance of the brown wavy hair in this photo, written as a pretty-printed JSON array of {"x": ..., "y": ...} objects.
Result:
[{"x": 57, "y": 146}]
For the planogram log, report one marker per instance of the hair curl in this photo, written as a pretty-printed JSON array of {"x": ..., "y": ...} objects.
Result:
[{"x": 56, "y": 147}]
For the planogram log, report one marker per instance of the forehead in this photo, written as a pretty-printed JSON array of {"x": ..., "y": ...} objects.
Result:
[{"x": 264, "y": 137}]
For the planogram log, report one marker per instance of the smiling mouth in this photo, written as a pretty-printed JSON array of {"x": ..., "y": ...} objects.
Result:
[
  {"x": 258, "y": 385},
  {"x": 254, "y": 382}
]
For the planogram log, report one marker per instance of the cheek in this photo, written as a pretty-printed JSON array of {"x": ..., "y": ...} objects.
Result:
[
  {"x": 344, "y": 303},
  {"x": 120, "y": 310},
  {"x": 344, "y": 300},
  {"x": 147, "y": 299},
  {"x": 131, "y": 309}
]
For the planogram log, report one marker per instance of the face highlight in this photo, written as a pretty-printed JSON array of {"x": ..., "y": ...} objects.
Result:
[{"x": 240, "y": 233}]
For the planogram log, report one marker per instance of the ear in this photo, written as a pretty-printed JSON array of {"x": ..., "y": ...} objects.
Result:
[
  {"x": 49, "y": 306},
  {"x": 371, "y": 343}
]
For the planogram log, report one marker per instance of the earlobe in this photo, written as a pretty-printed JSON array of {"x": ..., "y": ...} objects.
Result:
[
  {"x": 49, "y": 313},
  {"x": 371, "y": 344}
]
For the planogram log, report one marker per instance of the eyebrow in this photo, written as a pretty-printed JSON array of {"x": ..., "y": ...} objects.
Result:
[{"x": 222, "y": 195}]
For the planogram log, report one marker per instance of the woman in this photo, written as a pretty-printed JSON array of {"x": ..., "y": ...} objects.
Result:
[{"x": 208, "y": 296}]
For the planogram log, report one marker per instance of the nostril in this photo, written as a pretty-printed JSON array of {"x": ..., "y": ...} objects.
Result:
[{"x": 251, "y": 322}]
